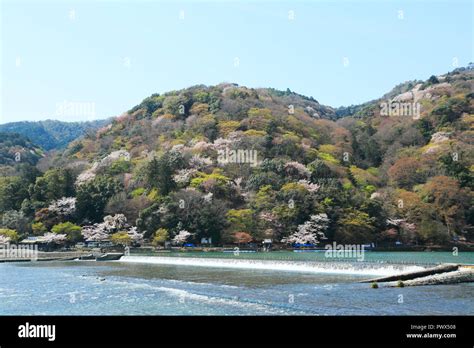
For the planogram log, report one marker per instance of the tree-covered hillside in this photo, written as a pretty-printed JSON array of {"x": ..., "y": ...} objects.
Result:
[
  {"x": 52, "y": 134},
  {"x": 17, "y": 148},
  {"x": 237, "y": 164}
]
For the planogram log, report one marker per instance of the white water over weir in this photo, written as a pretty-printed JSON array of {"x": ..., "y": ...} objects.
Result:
[{"x": 353, "y": 268}]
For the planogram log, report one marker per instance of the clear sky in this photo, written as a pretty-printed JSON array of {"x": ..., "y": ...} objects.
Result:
[{"x": 100, "y": 58}]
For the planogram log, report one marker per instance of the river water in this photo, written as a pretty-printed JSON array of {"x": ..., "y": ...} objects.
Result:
[{"x": 277, "y": 283}]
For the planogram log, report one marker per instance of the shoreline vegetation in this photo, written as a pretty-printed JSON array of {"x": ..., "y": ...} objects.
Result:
[{"x": 41, "y": 255}]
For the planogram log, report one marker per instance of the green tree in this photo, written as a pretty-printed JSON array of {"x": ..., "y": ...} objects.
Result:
[
  {"x": 72, "y": 232},
  {"x": 28, "y": 173},
  {"x": 451, "y": 110},
  {"x": 177, "y": 105},
  {"x": 319, "y": 170},
  {"x": 54, "y": 184},
  {"x": 149, "y": 220},
  {"x": 433, "y": 232},
  {"x": 119, "y": 167},
  {"x": 458, "y": 170},
  {"x": 241, "y": 220},
  {"x": 159, "y": 171},
  {"x": 161, "y": 236},
  {"x": 433, "y": 80},
  {"x": 354, "y": 226},
  {"x": 38, "y": 228},
  {"x": 92, "y": 197},
  {"x": 192, "y": 212},
  {"x": 121, "y": 238},
  {"x": 12, "y": 193},
  {"x": 12, "y": 234}
]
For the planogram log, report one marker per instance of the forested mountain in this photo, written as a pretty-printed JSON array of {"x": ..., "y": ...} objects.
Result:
[
  {"x": 238, "y": 164},
  {"x": 17, "y": 148},
  {"x": 51, "y": 134}
]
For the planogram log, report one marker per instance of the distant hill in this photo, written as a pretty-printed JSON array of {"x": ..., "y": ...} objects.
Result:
[
  {"x": 17, "y": 148},
  {"x": 51, "y": 134}
]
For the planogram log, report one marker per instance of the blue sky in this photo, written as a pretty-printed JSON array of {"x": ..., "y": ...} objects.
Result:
[{"x": 109, "y": 55}]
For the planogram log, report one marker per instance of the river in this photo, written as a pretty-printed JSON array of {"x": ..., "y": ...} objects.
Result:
[{"x": 276, "y": 283}]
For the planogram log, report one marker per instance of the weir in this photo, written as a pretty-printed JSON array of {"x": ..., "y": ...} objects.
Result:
[
  {"x": 415, "y": 274},
  {"x": 442, "y": 274},
  {"x": 354, "y": 268}
]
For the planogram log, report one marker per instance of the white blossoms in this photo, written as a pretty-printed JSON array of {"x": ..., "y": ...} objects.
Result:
[
  {"x": 309, "y": 186},
  {"x": 115, "y": 223},
  {"x": 402, "y": 223},
  {"x": 202, "y": 146},
  {"x": 65, "y": 206},
  {"x": 4, "y": 240},
  {"x": 199, "y": 162},
  {"x": 181, "y": 237},
  {"x": 95, "y": 233},
  {"x": 297, "y": 169},
  {"x": 208, "y": 197},
  {"x": 135, "y": 236},
  {"x": 184, "y": 176},
  {"x": 55, "y": 238},
  {"x": 105, "y": 162},
  {"x": 311, "y": 231},
  {"x": 101, "y": 232},
  {"x": 225, "y": 143}
]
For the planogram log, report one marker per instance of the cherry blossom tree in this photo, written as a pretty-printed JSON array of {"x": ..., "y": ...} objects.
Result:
[
  {"x": 202, "y": 146},
  {"x": 54, "y": 238},
  {"x": 181, "y": 237},
  {"x": 311, "y": 231},
  {"x": 136, "y": 237},
  {"x": 112, "y": 224},
  {"x": 184, "y": 176},
  {"x": 312, "y": 188},
  {"x": 115, "y": 223},
  {"x": 65, "y": 206},
  {"x": 95, "y": 233},
  {"x": 4, "y": 240},
  {"x": 297, "y": 169},
  {"x": 198, "y": 162},
  {"x": 224, "y": 143},
  {"x": 208, "y": 197}
]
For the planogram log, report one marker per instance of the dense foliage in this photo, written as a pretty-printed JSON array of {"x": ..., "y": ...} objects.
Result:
[
  {"x": 16, "y": 149},
  {"x": 234, "y": 165}
]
